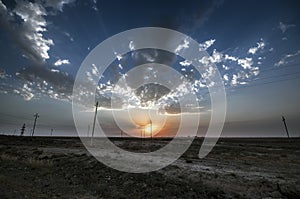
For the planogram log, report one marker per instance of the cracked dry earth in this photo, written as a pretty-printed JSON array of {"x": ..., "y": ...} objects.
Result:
[{"x": 52, "y": 167}]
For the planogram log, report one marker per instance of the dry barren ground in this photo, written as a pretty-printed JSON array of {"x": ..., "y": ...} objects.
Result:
[{"x": 43, "y": 167}]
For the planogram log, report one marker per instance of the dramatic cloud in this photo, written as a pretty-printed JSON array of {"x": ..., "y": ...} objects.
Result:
[
  {"x": 61, "y": 62},
  {"x": 26, "y": 24},
  {"x": 28, "y": 33},
  {"x": 284, "y": 27}
]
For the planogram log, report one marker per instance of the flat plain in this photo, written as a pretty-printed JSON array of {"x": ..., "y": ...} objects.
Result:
[{"x": 61, "y": 167}]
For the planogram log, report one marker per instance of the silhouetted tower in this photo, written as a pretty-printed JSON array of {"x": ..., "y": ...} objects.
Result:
[
  {"x": 286, "y": 129},
  {"x": 95, "y": 116},
  {"x": 23, "y": 129},
  {"x": 36, "y": 116}
]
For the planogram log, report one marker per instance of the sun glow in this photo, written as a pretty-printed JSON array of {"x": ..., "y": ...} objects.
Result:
[{"x": 150, "y": 129}]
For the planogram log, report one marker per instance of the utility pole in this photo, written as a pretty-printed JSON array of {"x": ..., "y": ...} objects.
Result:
[
  {"x": 51, "y": 132},
  {"x": 36, "y": 116},
  {"x": 23, "y": 129},
  {"x": 286, "y": 129},
  {"x": 151, "y": 128},
  {"x": 142, "y": 134},
  {"x": 93, "y": 130}
]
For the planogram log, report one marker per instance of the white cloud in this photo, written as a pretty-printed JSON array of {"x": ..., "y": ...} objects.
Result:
[
  {"x": 231, "y": 58},
  {"x": 94, "y": 6},
  {"x": 131, "y": 46},
  {"x": 216, "y": 57},
  {"x": 95, "y": 70},
  {"x": 284, "y": 27},
  {"x": 55, "y": 71},
  {"x": 287, "y": 58},
  {"x": 234, "y": 79},
  {"x": 226, "y": 77},
  {"x": 225, "y": 67},
  {"x": 61, "y": 62},
  {"x": 184, "y": 45},
  {"x": 69, "y": 36},
  {"x": 185, "y": 63},
  {"x": 206, "y": 44},
  {"x": 118, "y": 56},
  {"x": 238, "y": 75},
  {"x": 260, "y": 45},
  {"x": 245, "y": 63}
]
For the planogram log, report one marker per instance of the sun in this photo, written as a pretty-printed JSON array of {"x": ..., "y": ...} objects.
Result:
[{"x": 150, "y": 129}]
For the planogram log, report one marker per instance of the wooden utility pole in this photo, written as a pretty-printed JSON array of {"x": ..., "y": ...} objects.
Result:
[
  {"x": 95, "y": 116},
  {"x": 151, "y": 128},
  {"x": 23, "y": 129},
  {"x": 36, "y": 116},
  {"x": 286, "y": 129}
]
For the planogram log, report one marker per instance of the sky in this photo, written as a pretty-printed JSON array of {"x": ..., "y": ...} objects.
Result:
[{"x": 253, "y": 44}]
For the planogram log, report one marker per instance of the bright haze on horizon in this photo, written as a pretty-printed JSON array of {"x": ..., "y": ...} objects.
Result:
[{"x": 254, "y": 44}]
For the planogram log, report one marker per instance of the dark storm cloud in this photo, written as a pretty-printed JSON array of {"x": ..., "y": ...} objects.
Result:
[{"x": 26, "y": 24}]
